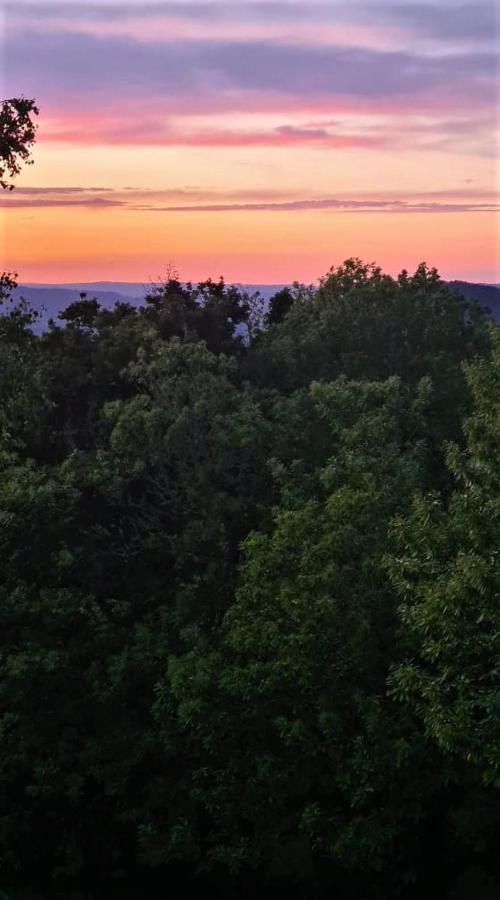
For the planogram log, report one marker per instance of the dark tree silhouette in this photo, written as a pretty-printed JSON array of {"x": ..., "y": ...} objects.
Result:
[
  {"x": 17, "y": 136},
  {"x": 279, "y": 305}
]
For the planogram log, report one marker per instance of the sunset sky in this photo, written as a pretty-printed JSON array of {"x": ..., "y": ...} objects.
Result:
[{"x": 265, "y": 141}]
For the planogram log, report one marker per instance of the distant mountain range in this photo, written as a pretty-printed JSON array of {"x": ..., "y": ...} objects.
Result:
[
  {"x": 50, "y": 299},
  {"x": 486, "y": 294},
  {"x": 125, "y": 288}
]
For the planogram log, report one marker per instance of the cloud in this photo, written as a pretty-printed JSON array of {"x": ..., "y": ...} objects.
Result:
[
  {"x": 391, "y": 128},
  {"x": 36, "y": 191},
  {"x": 202, "y": 12},
  {"x": 439, "y": 18},
  {"x": 102, "y": 69},
  {"x": 12, "y": 201},
  {"x": 198, "y": 194},
  {"x": 467, "y": 21},
  {"x": 156, "y": 131},
  {"x": 197, "y": 199},
  {"x": 399, "y": 206},
  {"x": 307, "y": 133}
]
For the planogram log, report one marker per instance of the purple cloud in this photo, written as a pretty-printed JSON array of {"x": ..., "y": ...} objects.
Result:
[
  {"x": 64, "y": 66},
  {"x": 264, "y": 199},
  {"x": 440, "y": 19},
  {"x": 332, "y": 203},
  {"x": 36, "y": 191},
  {"x": 13, "y": 201},
  {"x": 467, "y": 21},
  {"x": 293, "y": 131}
]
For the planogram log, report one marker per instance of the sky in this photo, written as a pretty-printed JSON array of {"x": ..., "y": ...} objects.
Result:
[{"x": 264, "y": 141}]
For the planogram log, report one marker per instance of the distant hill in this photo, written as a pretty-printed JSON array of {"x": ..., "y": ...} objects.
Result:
[
  {"x": 51, "y": 299},
  {"x": 486, "y": 294},
  {"x": 135, "y": 289},
  {"x": 123, "y": 288}
]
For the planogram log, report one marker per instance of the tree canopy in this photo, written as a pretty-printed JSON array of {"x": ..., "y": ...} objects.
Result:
[{"x": 250, "y": 582}]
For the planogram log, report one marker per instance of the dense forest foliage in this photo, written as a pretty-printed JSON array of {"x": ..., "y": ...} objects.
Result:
[{"x": 249, "y": 568}]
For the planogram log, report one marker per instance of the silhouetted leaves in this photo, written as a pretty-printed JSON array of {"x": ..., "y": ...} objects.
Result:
[{"x": 17, "y": 136}]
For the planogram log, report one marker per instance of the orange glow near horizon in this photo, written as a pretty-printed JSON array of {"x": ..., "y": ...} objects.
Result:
[{"x": 243, "y": 246}]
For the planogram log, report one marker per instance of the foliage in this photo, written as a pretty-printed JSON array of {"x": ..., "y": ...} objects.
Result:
[
  {"x": 17, "y": 136},
  {"x": 447, "y": 574},
  {"x": 289, "y": 708},
  {"x": 249, "y": 625}
]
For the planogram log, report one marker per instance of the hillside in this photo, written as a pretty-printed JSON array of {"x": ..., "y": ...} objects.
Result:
[
  {"x": 50, "y": 299},
  {"x": 486, "y": 294}
]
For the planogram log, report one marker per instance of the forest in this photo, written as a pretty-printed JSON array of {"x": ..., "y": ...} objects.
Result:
[{"x": 250, "y": 576}]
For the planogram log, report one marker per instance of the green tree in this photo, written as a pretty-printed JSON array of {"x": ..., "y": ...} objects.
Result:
[
  {"x": 306, "y": 768},
  {"x": 105, "y": 556},
  {"x": 209, "y": 311},
  {"x": 279, "y": 305},
  {"x": 446, "y": 568},
  {"x": 366, "y": 325}
]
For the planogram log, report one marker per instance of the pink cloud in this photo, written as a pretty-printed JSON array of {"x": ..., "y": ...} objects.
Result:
[
  {"x": 88, "y": 130},
  {"x": 382, "y": 126}
]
